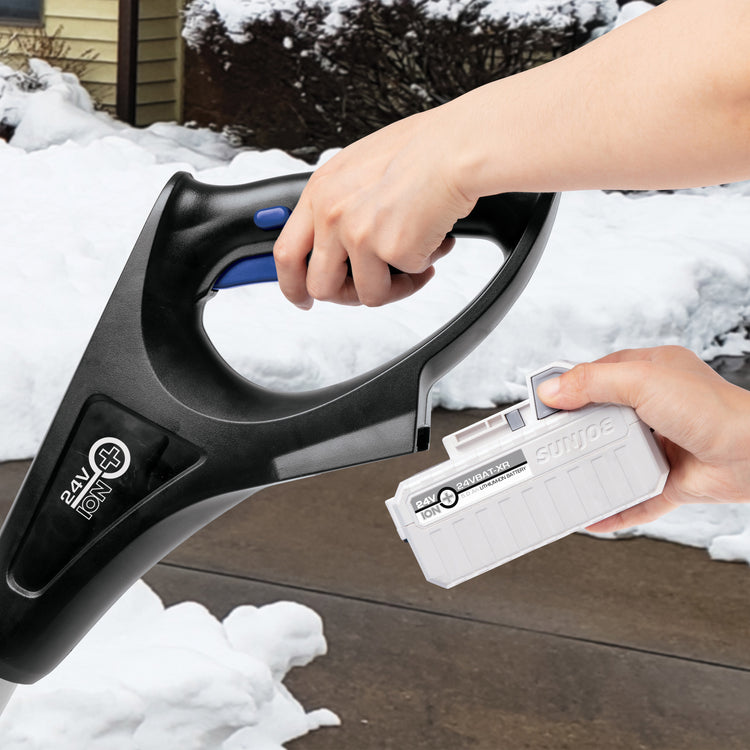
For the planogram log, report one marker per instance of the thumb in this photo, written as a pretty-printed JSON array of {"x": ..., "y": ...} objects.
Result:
[
  {"x": 663, "y": 397},
  {"x": 598, "y": 383}
]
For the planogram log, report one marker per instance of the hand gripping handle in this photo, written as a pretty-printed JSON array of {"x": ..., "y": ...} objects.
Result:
[
  {"x": 204, "y": 229},
  {"x": 157, "y": 435}
]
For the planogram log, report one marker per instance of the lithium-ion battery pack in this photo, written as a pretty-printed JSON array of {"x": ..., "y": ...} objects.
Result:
[{"x": 523, "y": 478}]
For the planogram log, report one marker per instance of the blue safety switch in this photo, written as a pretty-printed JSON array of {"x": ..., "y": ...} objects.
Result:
[
  {"x": 251, "y": 270},
  {"x": 271, "y": 218}
]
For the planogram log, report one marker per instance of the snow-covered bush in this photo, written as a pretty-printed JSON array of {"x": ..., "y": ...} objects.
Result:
[
  {"x": 47, "y": 106},
  {"x": 37, "y": 77},
  {"x": 19, "y": 46},
  {"x": 27, "y": 57},
  {"x": 312, "y": 74}
]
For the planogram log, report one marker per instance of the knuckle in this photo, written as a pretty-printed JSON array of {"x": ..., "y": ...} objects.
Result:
[
  {"x": 373, "y": 297},
  {"x": 317, "y": 179},
  {"x": 354, "y": 237},
  {"x": 391, "y": 255},
  {"x": 640, "y": 374},
  {"x": 333, "y": 214},
  {"x": 283, "y": 253},
  {"x": 670, "y": 352},
  {"x": 677, "y": 354},
  {"x": 405, "y": 263},
  {"x": 580, "y": 378},
  {"x": 321, "y": 289}
]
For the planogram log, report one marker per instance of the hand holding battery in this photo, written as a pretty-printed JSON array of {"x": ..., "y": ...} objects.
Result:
[
  {"x": 702, "y": 421},
  {"x": 523, "y": 478}
]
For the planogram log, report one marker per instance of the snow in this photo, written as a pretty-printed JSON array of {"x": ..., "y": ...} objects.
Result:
[
  {"x": 62, "y": 112},
  {"x": 724, "y": 530},
  {"x": 670, "y": 289},
  {"x": 148, "y": 677},
  {"x": 235, "y": 15},
  {"x": 619, "y": 271},
  {"x": 632, "y": 10}
]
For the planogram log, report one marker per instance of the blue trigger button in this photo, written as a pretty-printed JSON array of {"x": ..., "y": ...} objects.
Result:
[
  {"x": 271, "y": 218},
  {"x": 253, "y": 270}
]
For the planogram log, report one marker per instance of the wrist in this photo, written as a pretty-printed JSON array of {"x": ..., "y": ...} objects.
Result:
[
  {"x": 494, "y": 152},
  {"x": 470, "y": 149}
]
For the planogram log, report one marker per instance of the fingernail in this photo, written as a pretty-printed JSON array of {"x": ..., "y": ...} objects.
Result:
[
  {"x": 549, "y": 389},
  {"x": 304, "y": 305}
]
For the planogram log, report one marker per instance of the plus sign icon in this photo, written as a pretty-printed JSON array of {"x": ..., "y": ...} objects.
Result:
[{"x": 109, "y": 458}]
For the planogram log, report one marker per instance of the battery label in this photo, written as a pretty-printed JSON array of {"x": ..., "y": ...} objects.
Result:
[{"x": 470, "y": 487}]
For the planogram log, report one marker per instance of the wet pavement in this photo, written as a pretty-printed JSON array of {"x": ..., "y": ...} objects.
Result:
[{"x": 584, "y": 644}]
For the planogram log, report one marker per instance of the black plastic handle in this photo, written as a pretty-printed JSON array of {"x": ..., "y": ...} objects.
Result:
[
  {"x": 204, "y": 229},
  {"x": 157, "y": 435}
]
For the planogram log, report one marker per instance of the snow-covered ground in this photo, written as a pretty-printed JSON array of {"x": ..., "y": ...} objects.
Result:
[{"x": 76, "y": 187}]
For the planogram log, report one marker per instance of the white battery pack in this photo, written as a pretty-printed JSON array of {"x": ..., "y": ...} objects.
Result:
[{"x": 523, "y": 478}]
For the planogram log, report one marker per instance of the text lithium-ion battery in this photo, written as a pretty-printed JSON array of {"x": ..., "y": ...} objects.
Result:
[{"x": 523, "y": 478}]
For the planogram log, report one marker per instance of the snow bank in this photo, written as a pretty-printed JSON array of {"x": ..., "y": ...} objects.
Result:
[
  {"x": 724, "y": 530},
  {"x": 149, "y": 678},
  {"x": 235, "y": 15},
  {"x": 61, "y": 111}
]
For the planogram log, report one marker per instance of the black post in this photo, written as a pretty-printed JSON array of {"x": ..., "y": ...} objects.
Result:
[{"x": 127, "y": 59}]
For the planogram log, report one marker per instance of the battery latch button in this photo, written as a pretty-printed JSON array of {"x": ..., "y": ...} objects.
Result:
[{"x": 271, "y": 218}]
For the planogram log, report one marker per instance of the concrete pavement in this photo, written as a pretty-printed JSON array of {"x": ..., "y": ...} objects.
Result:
[{"x": 582, "y": 644}]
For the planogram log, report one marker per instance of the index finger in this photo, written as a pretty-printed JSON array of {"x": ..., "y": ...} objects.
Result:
[
  {"x": 677, "y": 357},
  {"x": 290, "y": 254},
  {"x": 664, "y": 397}
]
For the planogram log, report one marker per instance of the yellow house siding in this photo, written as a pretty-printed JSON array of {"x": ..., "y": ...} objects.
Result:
[
  {"x": 156, "y": 28},
  {"x": 150, "y": 113},
  {"x": 84, "y": 29},
  {"x": 100, "y": 9},
  {"x": 159, "y": 8},
  {"x": 106, "y": 51},
  {"x": 160, "y": 62},
  {"x": 91, "y": 27},
  {"x": 156, "y": 70},
  {"x": 100, "y": 74},
  {"x": 157, "y": 49},
  {"x": 6, "y": 37}
]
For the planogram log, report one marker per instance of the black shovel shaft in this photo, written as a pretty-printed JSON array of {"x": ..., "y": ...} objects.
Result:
[{"x": 156, "y": 435}]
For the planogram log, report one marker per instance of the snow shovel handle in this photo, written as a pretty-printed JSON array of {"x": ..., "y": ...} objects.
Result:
[
  {"x": 206, "y": 229},
  {"x": 157, "y": 435}
]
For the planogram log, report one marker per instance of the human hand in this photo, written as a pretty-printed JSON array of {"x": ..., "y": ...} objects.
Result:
[
  {"x": 702, "y": 421},
  {"x": 386, "y": 199}
]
